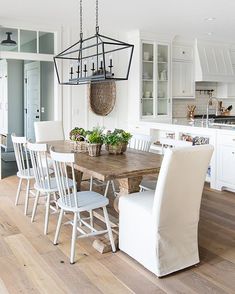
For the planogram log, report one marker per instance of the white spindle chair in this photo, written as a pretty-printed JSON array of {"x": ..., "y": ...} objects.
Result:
[
  {"x": 45, "y": 182},
  {"x": 24, "y": 170},
  {"x": 77, "y": 202},
  {"x": 143, "y": 142}
]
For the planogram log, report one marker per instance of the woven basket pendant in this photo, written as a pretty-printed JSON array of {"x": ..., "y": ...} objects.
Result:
[{"x": 102, "y": 97}]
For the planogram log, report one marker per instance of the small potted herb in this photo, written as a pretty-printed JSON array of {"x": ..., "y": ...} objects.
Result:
[
  {"x": 95, "y": 139},
  {"x": 116, "y": 141},
  {"x": 77, "y": 135}
]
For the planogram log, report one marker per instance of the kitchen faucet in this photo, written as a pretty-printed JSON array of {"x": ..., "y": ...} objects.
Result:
[{"x": 210, "y": 102}]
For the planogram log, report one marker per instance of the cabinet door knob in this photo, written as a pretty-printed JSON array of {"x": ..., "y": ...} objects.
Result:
[
  {"x": 233, "y": 152},
  {"x": 183, "y": 91},
  {"x": 183, "y": 52},
  {"x": 233, "y": 139}
]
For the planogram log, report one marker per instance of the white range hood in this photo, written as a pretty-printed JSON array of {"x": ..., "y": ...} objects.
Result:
[{"x": 213, "y": 62}]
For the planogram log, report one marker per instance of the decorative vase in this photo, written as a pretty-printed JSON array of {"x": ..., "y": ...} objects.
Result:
[{"x": 94, "y": 149}]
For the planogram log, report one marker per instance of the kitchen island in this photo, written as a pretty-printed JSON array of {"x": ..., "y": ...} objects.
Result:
[{"x": 221, "y": 171}]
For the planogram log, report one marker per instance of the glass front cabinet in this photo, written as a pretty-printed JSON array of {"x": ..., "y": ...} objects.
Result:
[{"x": 155, "y": 80}]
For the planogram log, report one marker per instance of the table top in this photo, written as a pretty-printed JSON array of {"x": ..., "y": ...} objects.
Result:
[{"x": 105, "y": 167}]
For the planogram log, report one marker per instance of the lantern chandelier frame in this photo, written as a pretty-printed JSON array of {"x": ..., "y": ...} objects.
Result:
[{"x": 91, "y": 59}]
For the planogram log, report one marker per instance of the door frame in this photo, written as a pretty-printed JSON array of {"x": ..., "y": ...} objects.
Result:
[{"x": 27, "y": 67}]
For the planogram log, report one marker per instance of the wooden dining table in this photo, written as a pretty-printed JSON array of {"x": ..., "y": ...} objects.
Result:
[{"x": 127, "y": 168}]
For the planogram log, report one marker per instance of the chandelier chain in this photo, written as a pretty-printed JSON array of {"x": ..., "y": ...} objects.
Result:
[
  {"x": 81, "y": 17},
  {"x": 97, "y": 13}
]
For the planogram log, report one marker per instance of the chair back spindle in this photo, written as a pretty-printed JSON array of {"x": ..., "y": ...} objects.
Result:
[
  {"x": 62, "y": 162},
  {"x": 21, "y": 154},
  {"x": 39, "y": 159}
]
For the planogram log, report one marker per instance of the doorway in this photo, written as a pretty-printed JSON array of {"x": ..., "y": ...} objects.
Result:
[{"x": 31, "y": 97}]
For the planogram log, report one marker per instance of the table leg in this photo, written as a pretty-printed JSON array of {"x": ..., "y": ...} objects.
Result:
[
  {"x": 78, "y": 177},
  {"x": 127, "y": 186}
]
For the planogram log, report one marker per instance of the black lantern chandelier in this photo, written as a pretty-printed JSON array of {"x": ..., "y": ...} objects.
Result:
[{"x": 95, "y": 59}]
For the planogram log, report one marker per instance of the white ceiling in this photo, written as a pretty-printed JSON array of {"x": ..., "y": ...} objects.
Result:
[{"x": 177, "y": 17}]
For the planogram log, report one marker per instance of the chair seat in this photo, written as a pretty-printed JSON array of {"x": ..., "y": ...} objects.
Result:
[
  {"x": 53, "y": 186},
  {"x": 136, "y": 202},
  {"x": 148, "y": 184},
  {"x": 26, "y": 174},
  {"x": 87, "y": 200}
]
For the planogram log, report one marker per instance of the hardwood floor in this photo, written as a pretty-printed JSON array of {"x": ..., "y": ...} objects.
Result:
[{"x": 30, "y": 263}]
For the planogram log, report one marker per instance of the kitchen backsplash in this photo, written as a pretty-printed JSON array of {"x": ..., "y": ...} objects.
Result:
[{"x": 179, "y": 108}]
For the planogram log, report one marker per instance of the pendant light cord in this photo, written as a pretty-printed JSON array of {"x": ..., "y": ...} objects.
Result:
[
  {"x": 97, "y": 16},
  {"x": 81, "y": 33}
]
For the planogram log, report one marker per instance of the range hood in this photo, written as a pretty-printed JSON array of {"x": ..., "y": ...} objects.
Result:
[{"x": 213, "y": 62}]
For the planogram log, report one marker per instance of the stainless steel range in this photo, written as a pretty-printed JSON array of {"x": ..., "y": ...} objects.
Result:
[{"x": 224, "y": 121}]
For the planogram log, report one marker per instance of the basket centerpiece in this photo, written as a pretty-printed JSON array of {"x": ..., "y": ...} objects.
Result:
[
  {"x": 78, "y": 137},
  {"x": 95, "y": 139},
  {"x": 116, "y": 142}
]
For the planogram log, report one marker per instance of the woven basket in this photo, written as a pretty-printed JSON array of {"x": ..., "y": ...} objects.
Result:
[
  {"x": 102, "y": 97},
  {"x": 80, "y": 146},
  {"x": 94, "y": 149},
  {"x": 115, "y": 149}
]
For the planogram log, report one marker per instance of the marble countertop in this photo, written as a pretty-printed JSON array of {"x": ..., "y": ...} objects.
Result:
[{"x": 199, "y": 123}]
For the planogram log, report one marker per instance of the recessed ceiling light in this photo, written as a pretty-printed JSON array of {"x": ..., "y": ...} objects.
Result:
[
  {"x": 210, "y": 18},
  {"x": 209, "y": 33}
]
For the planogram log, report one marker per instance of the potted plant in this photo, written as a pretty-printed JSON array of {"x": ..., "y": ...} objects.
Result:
[
  {"x": 95, "y": 139},
  {"x": 116, "y": 141},
  {"x": 77, "y": 135}
]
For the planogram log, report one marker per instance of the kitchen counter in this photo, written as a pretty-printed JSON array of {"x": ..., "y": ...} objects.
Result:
[{"x": 221, "y": 137}]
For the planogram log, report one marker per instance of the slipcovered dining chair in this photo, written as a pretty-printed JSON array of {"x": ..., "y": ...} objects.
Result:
[
  {"x": 77, "y": 202},
  {"x": 160, "y": 228},
  {"x": 25, "y": 172},
  {"x": 46, "y": 131}
]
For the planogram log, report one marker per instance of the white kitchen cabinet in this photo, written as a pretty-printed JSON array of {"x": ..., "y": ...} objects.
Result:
[
  {"x": 11, "y": 100},
  {"x": 226, "y": 161},
  {"x": 183, "y": 85},
  {"x": 155, "y": 85},
  {"x": 225, "y": 90}
]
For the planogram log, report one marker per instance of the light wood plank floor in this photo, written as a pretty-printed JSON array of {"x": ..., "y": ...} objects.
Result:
[{"x": 30, "y": 263}]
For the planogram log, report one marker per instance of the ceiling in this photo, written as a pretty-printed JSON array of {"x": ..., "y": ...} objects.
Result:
[{"x": 174, "y": 17}]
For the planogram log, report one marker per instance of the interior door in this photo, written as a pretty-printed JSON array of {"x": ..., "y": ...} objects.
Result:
[{"x": 31, "y": 97}]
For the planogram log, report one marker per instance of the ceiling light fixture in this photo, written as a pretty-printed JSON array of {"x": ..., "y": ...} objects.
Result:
[
  {"x": 209, "y": 33},
  {"x": 94, "y": 59},
  {"x": 8, "y": 41},
  {"x": 210, "y": 19}
]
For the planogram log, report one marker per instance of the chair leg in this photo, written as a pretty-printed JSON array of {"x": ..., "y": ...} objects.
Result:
[
  {"x": 110, "y": 233},
  {"x": 35, "y": 206},
  {"x": 57, "y": 233},
  {"x": 91, "y": 218},
  {"x": 74, "y": 237},
  {"x": 18, "y": 192},
  {"x": 91, "y": 183},
  {"x": 47, "y": 213},
  {"x": 113, "y": 188},
  {"x": 27, "y": 197},
  {"x": 106, "y": 189}
]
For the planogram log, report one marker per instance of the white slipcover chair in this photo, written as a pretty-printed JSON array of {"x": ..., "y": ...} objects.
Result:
[
  {"x": 48, "y": 131},
  {"x": 160, "y": 228}
]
